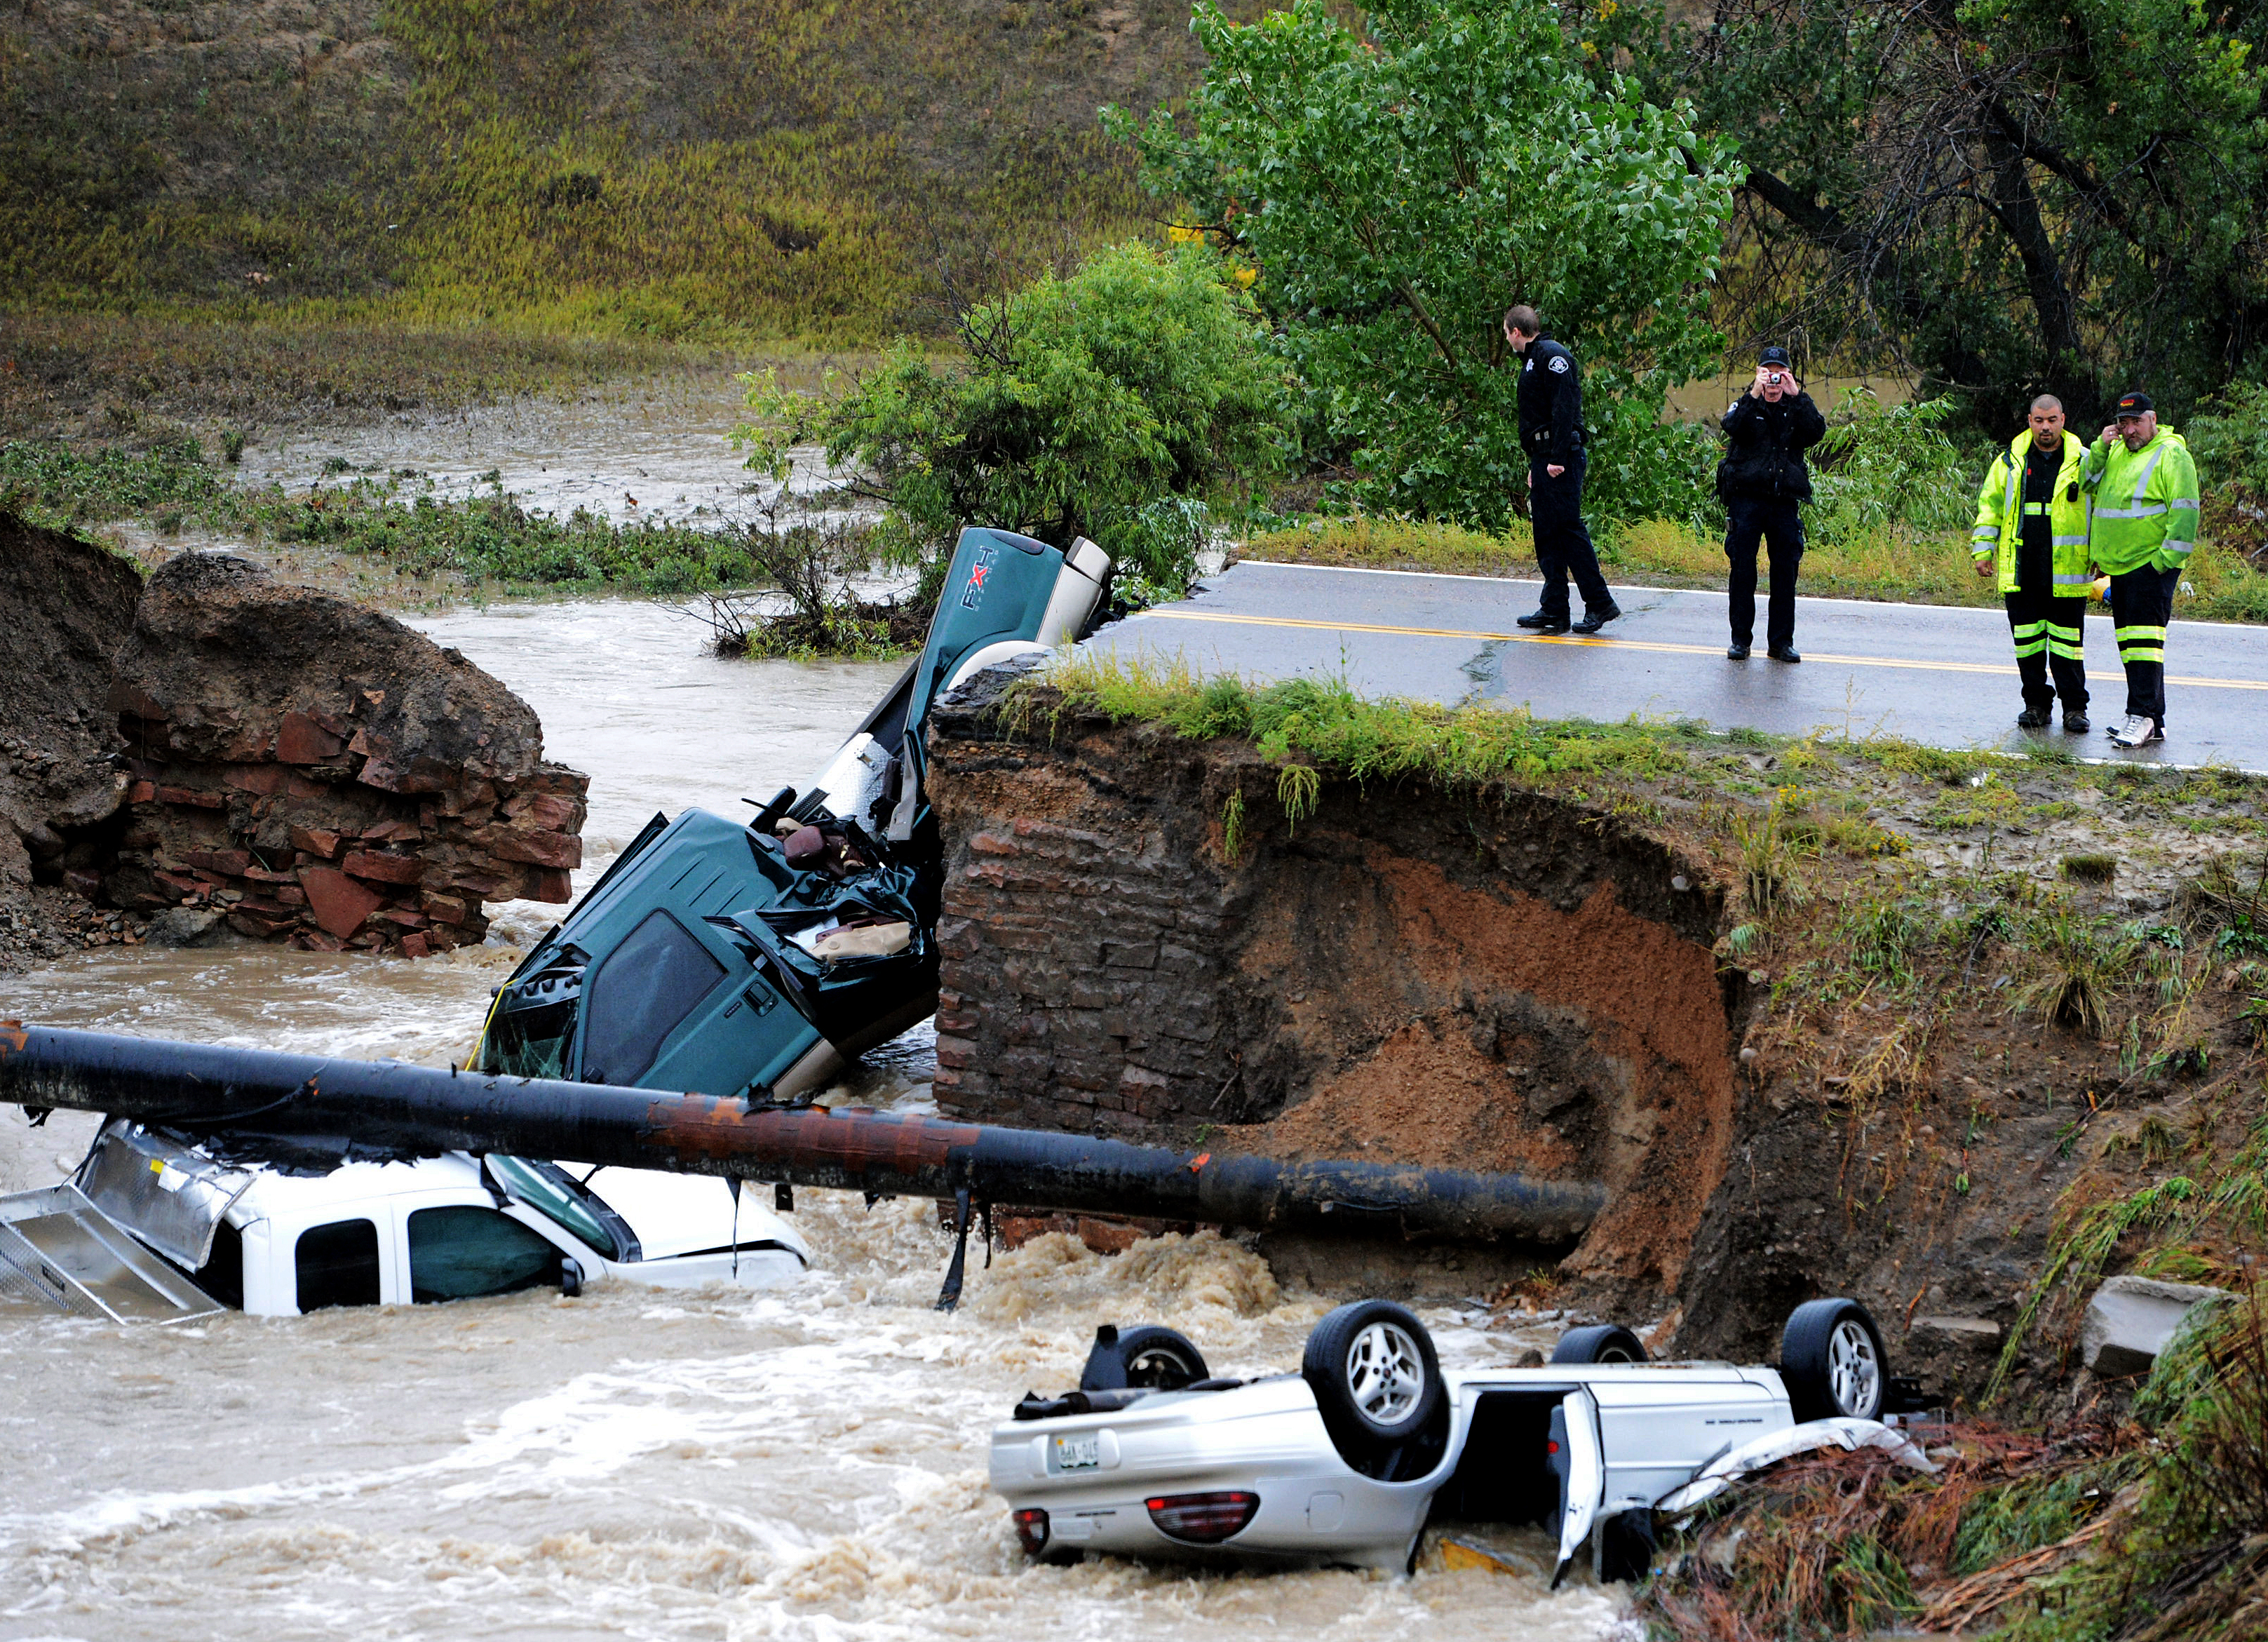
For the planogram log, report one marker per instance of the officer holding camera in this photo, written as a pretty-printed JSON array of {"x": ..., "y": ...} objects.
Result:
[{"x": 1763, "y": 482}]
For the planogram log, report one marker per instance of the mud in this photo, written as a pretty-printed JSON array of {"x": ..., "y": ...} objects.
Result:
[
  {"x": 1524, "y": 985},
  {"x": 69, "y": 606},
  {"x": 1139, "y": 941}
]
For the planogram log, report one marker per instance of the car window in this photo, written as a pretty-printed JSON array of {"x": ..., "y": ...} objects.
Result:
[
  {"x": 645, "y": 987},
  {"x": 553, "y": 1193},
  {"x": 222, "y": 1275},
  {"x": 535, "y": 1043},
  {"x": 337, "y": 1265},
  {"x": 457, "y": 1253}
]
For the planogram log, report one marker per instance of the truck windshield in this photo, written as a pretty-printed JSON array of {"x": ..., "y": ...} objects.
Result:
[
  {"x": 535, "y": 1043},
  {"x": 555, "y": 1194},
  {"x": 532, "y": 1034}
]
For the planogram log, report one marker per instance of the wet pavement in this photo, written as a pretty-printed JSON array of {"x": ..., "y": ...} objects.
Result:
[{"x": 1925, "y": 673}]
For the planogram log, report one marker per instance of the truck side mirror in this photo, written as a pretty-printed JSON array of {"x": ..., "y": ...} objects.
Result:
[{"x": 570, "y": 1276}]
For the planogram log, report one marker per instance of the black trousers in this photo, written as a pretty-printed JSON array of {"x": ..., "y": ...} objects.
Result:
[
  {"x": 2141, "y": 604},
  {"x": 2047, "y": 632},
  {"x": 1562, "y": 541},
  {"x": 1779, "y": 526}
]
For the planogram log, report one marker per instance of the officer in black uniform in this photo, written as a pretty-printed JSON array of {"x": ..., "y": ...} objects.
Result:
[{"x": 1551, "y": 433}]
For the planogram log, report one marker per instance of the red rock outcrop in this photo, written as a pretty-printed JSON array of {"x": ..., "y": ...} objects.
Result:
[{"x": 318, "y": 773}]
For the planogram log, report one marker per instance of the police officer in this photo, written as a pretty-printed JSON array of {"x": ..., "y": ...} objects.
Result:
[
  {"x": 1551, "y": 433},
  {"x": 2031, "y": 518},
  {"x": 1763, "y": 482}
]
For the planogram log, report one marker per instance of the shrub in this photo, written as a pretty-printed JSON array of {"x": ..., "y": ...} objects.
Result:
[
  {"x": 1111, "y": 404},
  {"x": 1891, "y": 468}
]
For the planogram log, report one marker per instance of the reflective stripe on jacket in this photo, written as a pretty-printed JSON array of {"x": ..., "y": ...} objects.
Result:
[
  {"x": 2000, "y": 515},
  {"x": 2146, "y": 504}
]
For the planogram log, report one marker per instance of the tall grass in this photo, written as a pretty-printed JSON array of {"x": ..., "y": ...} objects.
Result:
[
  {"x": 1323, "y": 722},
  {"x": 734, "y": 170}
]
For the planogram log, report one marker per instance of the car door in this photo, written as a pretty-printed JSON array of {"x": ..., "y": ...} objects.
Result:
[
  {"x": 1575, "y": 1462},
  {"x": 465, "y": 1250},
  {"x": 1656, "y": 1428}
]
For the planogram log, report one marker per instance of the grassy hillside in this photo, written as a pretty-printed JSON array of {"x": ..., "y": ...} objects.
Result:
[{"x": 705, "y": 170}]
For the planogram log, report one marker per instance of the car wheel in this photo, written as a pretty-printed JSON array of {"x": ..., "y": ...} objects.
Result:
[
  {"x": 1600, "y": 1343},
  {"x": 1832, "y": 1361},
  {"x": 1147, "y": 1357},
  {"x": 1374, "y": 1374},
  {"x": 1160, "y": 1359}
]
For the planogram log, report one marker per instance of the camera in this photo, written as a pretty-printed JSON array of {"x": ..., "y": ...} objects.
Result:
[{"x": 1777, "y": 378}]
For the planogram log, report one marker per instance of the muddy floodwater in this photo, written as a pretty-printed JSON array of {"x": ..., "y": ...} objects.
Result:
[{"x": 807, "y": 1463}]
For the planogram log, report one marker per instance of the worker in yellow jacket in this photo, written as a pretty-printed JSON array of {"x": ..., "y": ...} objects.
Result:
[
  {"x": 2145, "y": 486},
  {"x": 2031, "y": 525}
]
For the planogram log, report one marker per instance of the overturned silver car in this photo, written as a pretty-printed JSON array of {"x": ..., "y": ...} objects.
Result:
[{"x": 1348, "y": 1459}]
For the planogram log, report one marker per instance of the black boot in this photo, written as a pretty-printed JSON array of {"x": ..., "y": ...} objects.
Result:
[
  {"x": 2032, "y": 718},
  {"x": 1543, "y": 622},
  {"x": 1594, "y": 620}
]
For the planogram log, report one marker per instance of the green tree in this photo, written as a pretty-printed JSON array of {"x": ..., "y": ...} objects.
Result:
[
  {"x": 1111, "y": 404},
  {"x": 2008, "y": 194},
  {"x": 1399, "y": 184}
]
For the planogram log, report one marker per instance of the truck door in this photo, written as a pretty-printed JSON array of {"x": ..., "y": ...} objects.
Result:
[{"x": 1575, "y": 1462}]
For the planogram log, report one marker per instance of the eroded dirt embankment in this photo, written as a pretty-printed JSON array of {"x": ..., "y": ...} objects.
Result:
[
  {"x": 1138, "y": 939},
  {"x": 1936, "y": 1060}
]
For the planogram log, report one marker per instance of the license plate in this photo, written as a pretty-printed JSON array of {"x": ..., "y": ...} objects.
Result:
[{"x": 1082, "y": 1453}]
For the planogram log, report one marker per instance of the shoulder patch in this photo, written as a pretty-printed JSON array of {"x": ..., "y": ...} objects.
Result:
[
  {"x": 1528, "y": 366},
  {"x": 1559, "y": 363}
]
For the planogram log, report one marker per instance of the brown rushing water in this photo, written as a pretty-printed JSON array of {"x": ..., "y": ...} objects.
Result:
[{"x": 806, "y": 1464}]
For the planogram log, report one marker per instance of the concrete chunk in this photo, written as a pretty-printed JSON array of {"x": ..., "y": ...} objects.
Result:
[{"x": 2131, "y": 1320}]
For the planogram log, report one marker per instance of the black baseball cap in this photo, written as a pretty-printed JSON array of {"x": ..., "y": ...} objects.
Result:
[
  {"x": 2133, "y": 405},
  {"x": 1776, "y": 356}
]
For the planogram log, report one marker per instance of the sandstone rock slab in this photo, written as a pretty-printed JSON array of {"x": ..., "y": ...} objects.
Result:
[{"x": 2131, "y": 1320}]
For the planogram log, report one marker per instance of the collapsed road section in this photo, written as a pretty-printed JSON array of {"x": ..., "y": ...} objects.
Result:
[{"x": 386, "y": 1108}]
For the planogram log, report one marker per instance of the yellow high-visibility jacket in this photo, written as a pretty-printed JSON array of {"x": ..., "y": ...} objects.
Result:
[{"x": 2000, "y": 515}]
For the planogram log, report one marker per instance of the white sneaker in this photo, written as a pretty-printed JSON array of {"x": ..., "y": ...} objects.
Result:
[{"x": 2136, "y": 731}]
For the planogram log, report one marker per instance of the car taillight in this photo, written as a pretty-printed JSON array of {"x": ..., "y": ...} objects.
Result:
[
  {"x": 1202, "y": 1519},
  {"x": 1032, "y": 1530}
]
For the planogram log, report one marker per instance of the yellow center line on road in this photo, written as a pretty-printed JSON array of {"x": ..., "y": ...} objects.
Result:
[{"x": 2003, "y": 669}]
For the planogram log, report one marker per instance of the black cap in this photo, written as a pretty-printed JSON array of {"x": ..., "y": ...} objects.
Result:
[
  {"x": 1776, "y": 356},
  {"x": 2133, "y": 405}
]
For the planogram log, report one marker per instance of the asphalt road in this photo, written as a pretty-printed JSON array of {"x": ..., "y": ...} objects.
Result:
[{"x": 1927, "y": 672}]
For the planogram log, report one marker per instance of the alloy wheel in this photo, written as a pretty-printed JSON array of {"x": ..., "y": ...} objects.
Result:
[
  {"x": 1852, "y": 1370},
  {"x": 1385, "y": 1373}
]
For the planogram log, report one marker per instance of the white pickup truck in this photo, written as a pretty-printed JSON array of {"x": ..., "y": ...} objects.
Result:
[{"x": 152, "y": 1226}]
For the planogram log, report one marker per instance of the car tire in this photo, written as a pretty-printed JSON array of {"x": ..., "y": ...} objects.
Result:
[
  {"x": 1376, "y": 1381},
  {"x": 1599, "y": 1343},
  {"x": 1832, "y": 1362},
  {"x": 1160, "y": 1359},
  {"x": 1147, "y": 1357}
]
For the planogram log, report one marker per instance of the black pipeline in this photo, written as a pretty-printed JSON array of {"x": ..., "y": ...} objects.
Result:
[{"x": 385, "y": 1106}]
